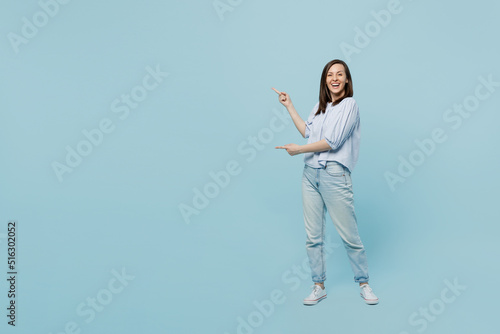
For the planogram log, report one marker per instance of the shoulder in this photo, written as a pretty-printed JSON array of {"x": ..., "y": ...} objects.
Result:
[
  {"x": 315, "y": 108},
  {"x": 313, "y": 113},
  {"x": 350, "y": 103}
]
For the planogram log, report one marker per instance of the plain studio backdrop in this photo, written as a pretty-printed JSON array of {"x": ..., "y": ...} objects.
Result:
[{"x": 138, "y": 163}]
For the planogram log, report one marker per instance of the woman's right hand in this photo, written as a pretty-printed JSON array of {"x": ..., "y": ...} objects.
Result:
[{"x": 284, "y": 98}]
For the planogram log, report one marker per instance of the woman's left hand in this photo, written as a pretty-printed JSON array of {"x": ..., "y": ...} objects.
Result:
[{"x": 292, "y": 149}]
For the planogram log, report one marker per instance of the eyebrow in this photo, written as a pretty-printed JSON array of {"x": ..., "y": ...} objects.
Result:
[{"x": 334, "y": 72}]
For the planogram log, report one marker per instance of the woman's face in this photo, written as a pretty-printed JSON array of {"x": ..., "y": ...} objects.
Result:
[{"x": 336, "y": 81}]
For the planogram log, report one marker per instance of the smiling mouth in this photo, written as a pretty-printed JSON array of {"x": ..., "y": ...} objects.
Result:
[{"x": 336, "y": 85}]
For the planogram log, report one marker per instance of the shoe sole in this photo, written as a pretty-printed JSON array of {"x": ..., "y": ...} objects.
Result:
[
  {"x": 370, "y": 301},
  {"x": 314, "y": 302}
]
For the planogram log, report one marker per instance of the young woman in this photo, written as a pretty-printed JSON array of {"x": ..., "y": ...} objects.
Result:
[{"x": 331, "y": 152}]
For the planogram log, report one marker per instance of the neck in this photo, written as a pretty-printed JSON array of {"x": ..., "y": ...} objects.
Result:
[{"x": 337, "y": 97}]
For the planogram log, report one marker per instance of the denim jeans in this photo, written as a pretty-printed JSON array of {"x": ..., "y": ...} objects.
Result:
[{"x": 330, "y": 189}]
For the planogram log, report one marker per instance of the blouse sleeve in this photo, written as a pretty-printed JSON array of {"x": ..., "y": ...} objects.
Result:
[
  {"x": 309, "y": 121},
  {"x": 343, "y": 125}
]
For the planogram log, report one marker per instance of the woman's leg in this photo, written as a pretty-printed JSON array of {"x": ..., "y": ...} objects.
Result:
[
  {"x": 336, "y": 189},
  {"x": 314, "y": 221}
]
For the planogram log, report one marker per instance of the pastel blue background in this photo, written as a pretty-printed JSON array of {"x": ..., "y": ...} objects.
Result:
[{"x": 120, "y": 207}]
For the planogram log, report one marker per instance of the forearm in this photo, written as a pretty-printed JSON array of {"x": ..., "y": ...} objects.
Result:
[
  {"x": 318, "y": 146},
  {"x": 297, "y": 120}
]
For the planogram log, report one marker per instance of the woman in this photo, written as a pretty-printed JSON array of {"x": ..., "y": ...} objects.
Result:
[{"x": 331, "y": 152}]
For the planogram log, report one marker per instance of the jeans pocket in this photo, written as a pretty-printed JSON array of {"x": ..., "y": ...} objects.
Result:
[
  {"x": 334, "y": 169},
  {"x": 348, "y": 180}
]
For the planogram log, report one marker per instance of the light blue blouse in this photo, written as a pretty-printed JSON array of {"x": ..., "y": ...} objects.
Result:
[{"x": 340, "y": 127}]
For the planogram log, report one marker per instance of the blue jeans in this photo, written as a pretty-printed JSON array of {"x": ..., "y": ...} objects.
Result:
[{"x": 330, "y": 189}]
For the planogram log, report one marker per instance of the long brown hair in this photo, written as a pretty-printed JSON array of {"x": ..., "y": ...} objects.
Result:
[{"x": 324, "y": 92}]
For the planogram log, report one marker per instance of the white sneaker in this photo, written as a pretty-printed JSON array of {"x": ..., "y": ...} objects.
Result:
[
  {"x": 316, "y": 295},
  {"x": 368, "y": 295}
]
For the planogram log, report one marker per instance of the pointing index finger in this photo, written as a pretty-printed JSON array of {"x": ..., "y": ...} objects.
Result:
[{"x": 277, "y": 91}]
